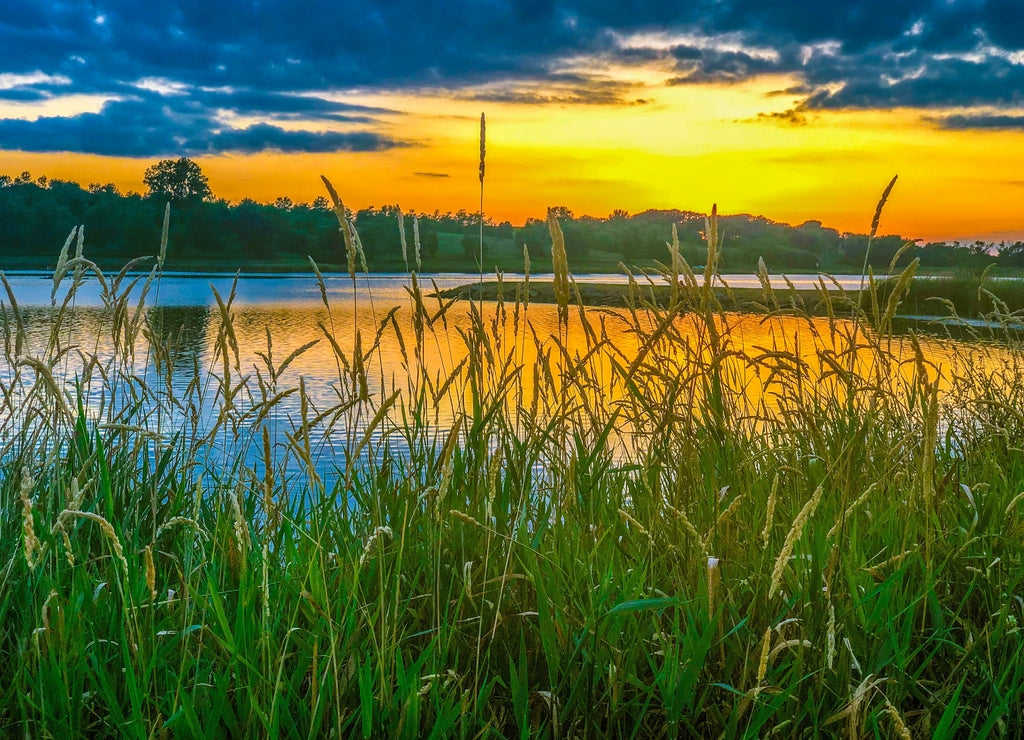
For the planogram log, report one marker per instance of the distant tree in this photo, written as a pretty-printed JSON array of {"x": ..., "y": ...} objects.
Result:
[
  {"x": 179, "y": 180},
  {"x": 471, "y": 246},
  {"x": 106, "y": 189},
  {"x": 1011, "y": 255},
  {"x": 535, "y": 235},
  {"x": 504, "y": 230}
]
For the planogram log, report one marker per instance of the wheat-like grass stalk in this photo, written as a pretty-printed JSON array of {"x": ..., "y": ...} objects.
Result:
[
  {"x": 483, "y": 145},
  {"x": 830, "y": 634},
  {"x": 416, "y": 241},
  {"x": 401, "y": 237},
  {"x": 897, "y": 720},
  {"x": 19, "y": 321},
  {"x": 150, "y": 572},
  {"x": 164, "y": 236},
  {"x": 179, "y": 521},
  {"x": 769, "y": 519},
  {"x": 32, "y": 545},
  {"x": 526, "y": 276},
  {"x": 463, "y": 517},
  {"x": 239, "y": 524},
  {"x": 378, "y": 535},
  {"x": 480, "y": 218},
  {"x": 685, "y": 521},
  {"x": 852, "y": 508},
  {"x": 108, "y": 532},
  {"x": 62, "y": 265},
  {"x": 632, "y": 522},
  {"x": 559, "y": 266},
  {"x": 762, "y": 664},
  {"x": 347, "y": 232},
  {"x": 675, "y": 263},
  {"x": 791, "y": 539},
  {"x": 711, "y": 235}
]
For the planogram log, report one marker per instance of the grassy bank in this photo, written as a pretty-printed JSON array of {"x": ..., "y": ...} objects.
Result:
[
  {"x": 842, "y": 556},
  {"x": 924, "y": 296}
]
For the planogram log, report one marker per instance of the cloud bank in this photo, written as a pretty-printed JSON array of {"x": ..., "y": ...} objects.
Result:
[{"x": 245, "y": 76}]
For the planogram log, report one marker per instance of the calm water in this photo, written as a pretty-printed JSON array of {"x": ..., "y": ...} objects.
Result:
[
  {"x": 289, "y": 309},
  {"x": 191, "y": 289}
]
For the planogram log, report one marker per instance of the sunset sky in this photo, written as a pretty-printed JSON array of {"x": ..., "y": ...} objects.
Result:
[{"x": 793, "y": 110}]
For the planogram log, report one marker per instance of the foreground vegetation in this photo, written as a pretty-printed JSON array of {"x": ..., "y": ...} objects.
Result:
[{"x": 660, "y": 553}]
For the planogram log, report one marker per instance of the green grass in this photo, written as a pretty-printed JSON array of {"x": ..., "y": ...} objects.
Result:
[
  {"x": 841, "y": 557},
  {"x": 923, "y": 296}
]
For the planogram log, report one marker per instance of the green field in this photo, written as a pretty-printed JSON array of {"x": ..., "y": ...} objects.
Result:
[{"x": 840, "y": 556}]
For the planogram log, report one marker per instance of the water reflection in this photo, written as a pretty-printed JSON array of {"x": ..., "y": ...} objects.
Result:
[{"x": 280, "y": 357}]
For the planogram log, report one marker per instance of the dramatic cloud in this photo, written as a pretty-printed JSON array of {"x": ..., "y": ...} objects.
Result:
[
  {"x": 271, "y": 61},
  {"x": 564, "y": 90},
  {"x": 981, "y": 122},
  {"x": 139, "y": 129}
]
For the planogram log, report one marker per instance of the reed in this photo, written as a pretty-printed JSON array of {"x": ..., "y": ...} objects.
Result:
[{"x": 686, "y": 537}]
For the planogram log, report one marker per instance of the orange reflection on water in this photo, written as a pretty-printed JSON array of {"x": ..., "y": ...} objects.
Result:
[{"x": 518, "y": 359}]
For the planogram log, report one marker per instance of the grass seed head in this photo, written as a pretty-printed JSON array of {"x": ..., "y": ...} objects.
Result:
[
  {"x": 559, "y": 266},
  {"x": 464, "y": 518},
  {"x": 483, "y": 145},
  {"x": 762, "y": 664},
  {"x": 150, "y": 573},
  {"x": 401, "y": 237},
  {"x": 163, "y": 236},
  {"x": 108, "y": 533},
  {"x": 416, "y": 240},
  {"x": 372, "y": 542},
  {"x": 769, "y": 519},
  {"x": 791, "y": 539},
  {"x": 901, "y": 727},
  {"x": 32, "y": 544}
]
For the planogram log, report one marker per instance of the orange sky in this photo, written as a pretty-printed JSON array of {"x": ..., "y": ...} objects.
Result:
[{"x": 686, "y": 147}]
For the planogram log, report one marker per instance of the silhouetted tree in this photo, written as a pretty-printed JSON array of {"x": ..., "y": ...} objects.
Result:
[{"x": 179, "y": 180}]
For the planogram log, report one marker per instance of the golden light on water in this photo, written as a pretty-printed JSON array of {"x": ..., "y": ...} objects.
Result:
[{"x": 525, "y": 369}]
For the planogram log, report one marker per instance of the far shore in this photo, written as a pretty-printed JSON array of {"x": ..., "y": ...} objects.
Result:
[
  {"x": 444, "y": 264},
  {"x": 927, "y": 298}
]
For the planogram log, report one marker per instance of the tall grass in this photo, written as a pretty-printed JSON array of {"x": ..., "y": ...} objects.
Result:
[{"x": 712, "y": 540}]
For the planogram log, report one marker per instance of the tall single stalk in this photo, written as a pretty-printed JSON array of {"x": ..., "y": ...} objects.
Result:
[{"x": 480, "y": 214}]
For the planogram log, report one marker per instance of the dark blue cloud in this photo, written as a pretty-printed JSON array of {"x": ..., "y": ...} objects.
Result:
[
  {"x": 565, "y": 90},
  {"x": 262, "y": 137},
  {"x": 285, "y": 106},
  {"x": 963, "y": 122},
  {"x": 24, "y": 94},
  {"x": 137, "y": 128},
  {"x": 714, "y": 65},
  {"x": 272, "y": 59}
]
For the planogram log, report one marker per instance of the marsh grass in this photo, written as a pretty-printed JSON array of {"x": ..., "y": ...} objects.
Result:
[{"x": 662, "y": 551}]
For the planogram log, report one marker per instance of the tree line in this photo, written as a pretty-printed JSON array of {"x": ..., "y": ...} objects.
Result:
[
  {"x": 36, "y": 215},
  {"x": 810, "y": 246}
]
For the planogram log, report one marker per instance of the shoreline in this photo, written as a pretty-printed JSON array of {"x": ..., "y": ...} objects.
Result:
[{"x": 925, "y": 298}]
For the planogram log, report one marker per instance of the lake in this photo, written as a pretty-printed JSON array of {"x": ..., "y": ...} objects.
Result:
[{"x": 202, "y": 360}]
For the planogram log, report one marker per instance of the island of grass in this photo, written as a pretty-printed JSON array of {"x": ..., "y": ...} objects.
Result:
[{"x": 961, "y": 297}]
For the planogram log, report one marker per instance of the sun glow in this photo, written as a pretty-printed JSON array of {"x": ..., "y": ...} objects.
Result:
[{"x": 746, "y": 146}]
